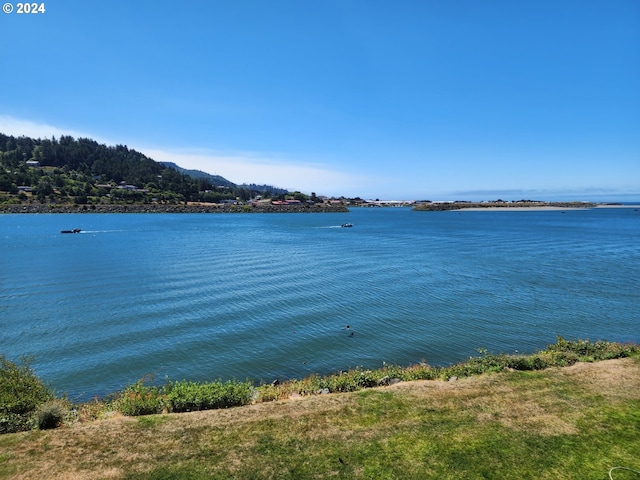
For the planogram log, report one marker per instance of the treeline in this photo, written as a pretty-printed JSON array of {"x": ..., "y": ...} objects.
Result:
[{"x": 83, "y": 171}]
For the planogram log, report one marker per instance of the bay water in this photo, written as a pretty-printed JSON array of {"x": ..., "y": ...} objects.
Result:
[{"x": 269, "y": 296}]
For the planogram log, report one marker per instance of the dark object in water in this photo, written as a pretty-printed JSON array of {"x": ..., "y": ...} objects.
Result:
[
  {"x": 345, "y": 225},
  {"x": 75, "y": 230}
]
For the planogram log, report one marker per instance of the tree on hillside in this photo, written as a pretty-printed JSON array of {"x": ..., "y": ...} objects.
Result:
[{"x": 75, "y": 168}]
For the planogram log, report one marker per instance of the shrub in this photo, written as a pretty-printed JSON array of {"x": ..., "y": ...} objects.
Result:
[
  {"x": 51, "y": 414},
  {"x": 308, "y": 385},
  {"x": 416, "y": 372},
  {"x": 278, "y": 391},
  {"x": 139, "y": 399},
  {"x": 352, "y": 380},
  {"x": 92, "y": 410},
  {"x": 12, "y": 422},
  {"x": 21, "y": 392},
  {"x": 189, "y": 396},
  {"x": 270, "y": 393},
  {"x": 588, "y": 351},
  {"x": 560, "y": 359},
  {"x": 520, "y": 362}
]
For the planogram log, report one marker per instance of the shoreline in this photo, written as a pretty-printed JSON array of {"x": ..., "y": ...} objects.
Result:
[
  {"x": 508, "y": 206},
  {"x": 520, "y": 209},
  {"x": 543, "y": 208},
  {"x": 607, "y": 205},
  {"x": 306, "y": 434},
  {"x": 158, "y": 208}
]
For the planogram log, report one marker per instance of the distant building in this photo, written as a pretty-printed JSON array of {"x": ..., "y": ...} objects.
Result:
[{"x": 33, "y": 163}]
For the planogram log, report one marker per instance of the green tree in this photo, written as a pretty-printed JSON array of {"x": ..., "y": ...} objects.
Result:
[{"x": 300, "y": 196}]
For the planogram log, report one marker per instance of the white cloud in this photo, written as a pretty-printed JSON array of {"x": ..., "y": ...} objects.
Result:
[
  {"x": 263, "y": 169},
  {"x": 16, "y": 127}
]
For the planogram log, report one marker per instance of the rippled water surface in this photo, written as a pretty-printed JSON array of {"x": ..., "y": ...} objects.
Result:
[{"x": 268, "y": 296}]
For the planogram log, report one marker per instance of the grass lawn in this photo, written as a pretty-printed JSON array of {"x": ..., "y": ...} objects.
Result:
[{"x": 575, "y": 422}]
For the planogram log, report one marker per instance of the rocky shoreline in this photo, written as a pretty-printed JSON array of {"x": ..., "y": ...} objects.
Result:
[
  {"x": 438, "y": 207},
  {"x": 171, "y": 208}
]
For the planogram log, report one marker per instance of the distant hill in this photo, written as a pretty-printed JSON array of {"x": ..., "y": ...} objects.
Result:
[
  {"x": 198, "y": 174},
  {"x": 269, "y": 189},
  {"x": 223, "y": 182}
]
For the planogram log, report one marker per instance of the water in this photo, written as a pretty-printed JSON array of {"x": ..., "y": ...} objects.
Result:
[{"x": 268, "y": 296}]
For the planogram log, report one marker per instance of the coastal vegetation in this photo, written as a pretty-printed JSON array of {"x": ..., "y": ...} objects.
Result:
[
  {"x": 492, "y": 416},
  {"x": 27, "y": 402},
  {"x": 80, "y": 175}
]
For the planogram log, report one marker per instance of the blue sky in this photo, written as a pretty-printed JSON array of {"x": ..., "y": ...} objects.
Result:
[{"x": 464, "y": 99}]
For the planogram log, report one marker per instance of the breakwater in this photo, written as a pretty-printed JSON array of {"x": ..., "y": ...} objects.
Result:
[
  {"x": 444, "y": 206},
  {"x": 170, "y": 208}
]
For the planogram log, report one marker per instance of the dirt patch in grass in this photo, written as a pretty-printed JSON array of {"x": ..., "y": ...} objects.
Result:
[
  {"x": 488, "y": 398},
  {"x": 615, "y": 380},
  {"x": 273, "y": 410}
]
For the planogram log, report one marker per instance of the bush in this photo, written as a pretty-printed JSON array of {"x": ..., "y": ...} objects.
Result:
[
  {"x": 139, "y": 399},
  {"x": 521, "y": 362},
  {"x": 51, "y": 414},
  {"x": 421, "y": 371},
  {"x": 352, "y": 380},
  {"x": 189, "y": 396},
  {"x": 12, "y": 422},
  {"x": 21, "y": 392},
  {"x": 92, "y": 410},
  {"x": 560, "y": 359},
  {"x": 587, "y": 351}
]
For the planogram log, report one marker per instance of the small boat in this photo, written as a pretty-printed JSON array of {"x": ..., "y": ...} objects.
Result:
[
  {"x": 346, "y": 225},
  {"x": 75, "y": 230}
]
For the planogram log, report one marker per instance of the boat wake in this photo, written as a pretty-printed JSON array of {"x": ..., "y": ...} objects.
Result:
[{"x": 344, "y": 225}]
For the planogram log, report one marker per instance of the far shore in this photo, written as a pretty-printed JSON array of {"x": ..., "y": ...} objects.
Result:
[
  {"x": 169, "y": 208},
  {"x": 504, "y": 206},
  {"x": 519, "y": 209},
  {"x": 617, "y": 205},
  {"x": 542, "y": 208}
]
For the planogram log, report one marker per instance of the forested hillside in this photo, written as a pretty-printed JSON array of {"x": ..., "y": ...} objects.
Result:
[{"x": 81, "y": 171}]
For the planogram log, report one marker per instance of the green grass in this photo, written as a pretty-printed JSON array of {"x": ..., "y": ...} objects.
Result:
[
  {"x": 505, "y": 417},
  {"x": 556, "y": 423},
  {"x": 151, "y": 421},
  {"x": 381, "y": 434}
]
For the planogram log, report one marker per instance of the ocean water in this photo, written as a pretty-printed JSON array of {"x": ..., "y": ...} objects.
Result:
[{"x": 269, "y": 296}]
